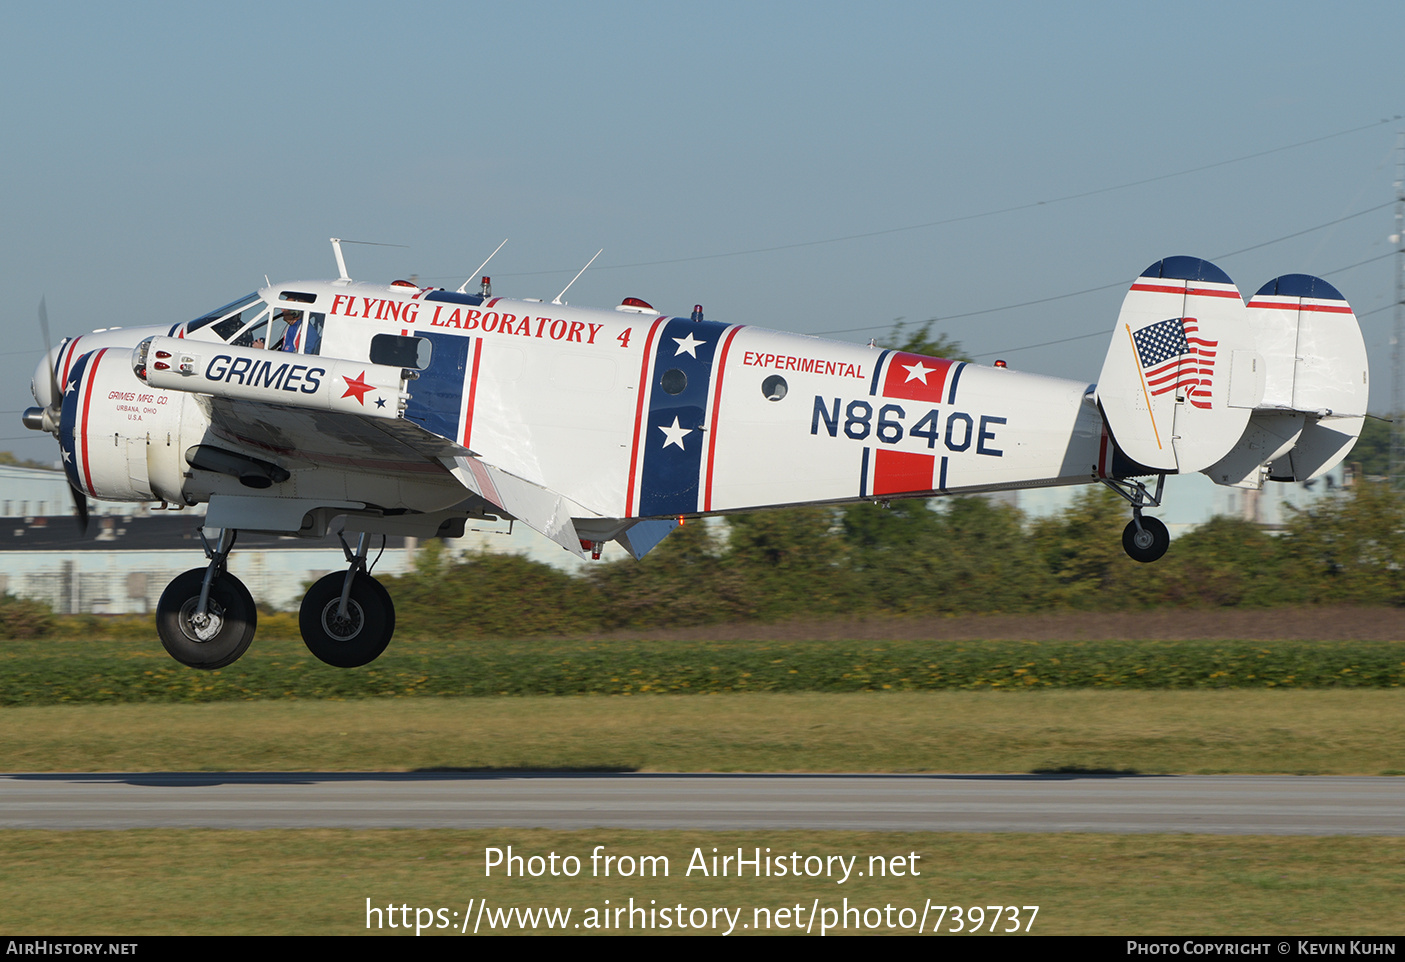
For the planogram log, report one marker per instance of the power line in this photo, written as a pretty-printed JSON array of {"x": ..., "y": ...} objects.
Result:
[
  {"x": 1103, "y": 333},
  {"x": 994, "y": 212},
  {"x": 1120, "y": 283}
]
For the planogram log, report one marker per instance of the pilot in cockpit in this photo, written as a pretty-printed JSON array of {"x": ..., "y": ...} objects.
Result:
[{"x": 293, "y": 320}]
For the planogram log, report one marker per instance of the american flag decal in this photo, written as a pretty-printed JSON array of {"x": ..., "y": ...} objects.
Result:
[{"x": 1174, "y": 357}]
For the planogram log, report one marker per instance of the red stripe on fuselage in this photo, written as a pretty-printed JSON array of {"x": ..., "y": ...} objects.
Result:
[
  {"x": 91, "y": 377},
  {"x": 721, "y": 369},
  {"x": 639, "y": 416},
  {"x": 66, "y": 357},
  {"x": 472, "y": 391}
]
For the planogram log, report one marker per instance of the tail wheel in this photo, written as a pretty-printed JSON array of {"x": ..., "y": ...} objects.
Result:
[
  {"x": 1147, "y": 544},
  {"x": 356, "y": 638},
  {"x": 221, "y": 635}
]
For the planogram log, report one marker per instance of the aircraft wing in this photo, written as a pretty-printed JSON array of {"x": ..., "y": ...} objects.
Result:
[{"x": 307, "y": 412}]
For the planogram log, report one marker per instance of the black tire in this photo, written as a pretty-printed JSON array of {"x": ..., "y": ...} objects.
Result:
[
  {"x": 233, "y": 620},
  {"x": 1148, "y": 544},
  {"x": 362, "y": 636}
]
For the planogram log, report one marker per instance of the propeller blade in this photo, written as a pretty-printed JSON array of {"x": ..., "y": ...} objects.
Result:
[
  {"x": 55, "y": 393},
  {"x": 80, "y": 508}
]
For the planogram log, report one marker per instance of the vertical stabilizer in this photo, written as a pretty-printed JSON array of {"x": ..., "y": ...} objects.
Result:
[{"x": 1181, "y": 376}]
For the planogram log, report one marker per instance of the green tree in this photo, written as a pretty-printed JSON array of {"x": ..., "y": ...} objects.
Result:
[
  {"x": 920, "y": 340},
  {"x": 792, "y": 561},
  {"x": 1350, "y": 548},
  {"x": 945, "y": 555},
  {"x": 1081, "y": 550},
  {"x": 1224, "y": 562},
  {"x": 491, "y": 595},
  {"x": 1372, "y": 449},
  {"x": 683, "y": 581}
]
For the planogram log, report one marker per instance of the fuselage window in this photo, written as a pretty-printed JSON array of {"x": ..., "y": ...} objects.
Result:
[
  {"x": 397, "y": 351},
  {"x": 312, "y": 340},
  {"x": 297, "y": 297},
  {"x": 673, "y": 381}
]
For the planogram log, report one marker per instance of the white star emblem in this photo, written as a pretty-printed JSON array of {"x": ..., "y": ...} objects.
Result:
[
  {"x": 689, "y": 344},
  {"x": 67, "y": 457},
  {"x": 675, "y": 434},
  {"x": 918, "y": 372}
]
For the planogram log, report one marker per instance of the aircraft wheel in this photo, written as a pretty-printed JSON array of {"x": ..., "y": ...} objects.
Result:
[
  {"x": 1149, "y": 543},
  {"x": 360, "y": 637},
  {"x": 225, "y": 633}
]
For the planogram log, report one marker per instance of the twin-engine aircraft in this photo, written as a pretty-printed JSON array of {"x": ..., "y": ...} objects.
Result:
[{"x": 372, "y": 409}]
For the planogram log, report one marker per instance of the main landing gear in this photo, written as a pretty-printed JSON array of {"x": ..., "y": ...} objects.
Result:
[
  {"x": 348, "y": 619},
  {"x": 206, "y": 617},
  {"x": 1145, "y": 539}
]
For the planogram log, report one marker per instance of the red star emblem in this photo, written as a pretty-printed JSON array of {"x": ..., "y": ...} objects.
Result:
[{"x": 358, "y": 387}]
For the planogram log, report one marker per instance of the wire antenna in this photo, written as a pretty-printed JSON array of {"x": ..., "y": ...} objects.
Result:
[{"x": 337, "y": 242}]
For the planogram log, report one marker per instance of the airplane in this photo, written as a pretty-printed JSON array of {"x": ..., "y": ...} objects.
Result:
[{"x": 367, "y": 409}]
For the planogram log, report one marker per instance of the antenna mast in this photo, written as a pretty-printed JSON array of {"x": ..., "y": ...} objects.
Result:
[{"x": 557, "y": 298}]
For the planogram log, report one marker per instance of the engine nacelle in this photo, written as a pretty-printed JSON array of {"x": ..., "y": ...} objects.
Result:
[{"x": 121, "y": 439}]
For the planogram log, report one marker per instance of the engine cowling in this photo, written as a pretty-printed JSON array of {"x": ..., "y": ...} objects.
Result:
[{"x": 121, "y": 439}]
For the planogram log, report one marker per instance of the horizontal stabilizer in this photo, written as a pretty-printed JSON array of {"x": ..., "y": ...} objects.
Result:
[
  {"x": 643, "y": 536},
  {"x": 1323, "y": 445}
]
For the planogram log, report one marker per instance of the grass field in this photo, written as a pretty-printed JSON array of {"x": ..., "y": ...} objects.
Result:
[
  {"x": 1108, "y": 693},
  {"x": 1207, "y": 732},
  {"x": 43, "y": 671},
  {"x": 319, "y": 881}
]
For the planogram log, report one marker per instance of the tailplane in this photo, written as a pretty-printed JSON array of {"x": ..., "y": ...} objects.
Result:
[{"x": 1196, "y": 380}]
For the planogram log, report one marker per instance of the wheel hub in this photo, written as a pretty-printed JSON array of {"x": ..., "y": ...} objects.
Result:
[
  {"x": 339, "y": 628},
  {"x": 201, "y": 628}
]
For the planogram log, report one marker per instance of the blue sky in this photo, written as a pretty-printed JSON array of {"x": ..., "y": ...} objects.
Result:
[{"x": 852, "y": 163}]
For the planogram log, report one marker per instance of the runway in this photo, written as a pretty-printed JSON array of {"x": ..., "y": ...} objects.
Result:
[{"x": 1229, "y": 804}]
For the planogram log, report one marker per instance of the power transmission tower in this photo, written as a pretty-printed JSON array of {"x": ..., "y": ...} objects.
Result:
[{"x": 1397, "y": 432}]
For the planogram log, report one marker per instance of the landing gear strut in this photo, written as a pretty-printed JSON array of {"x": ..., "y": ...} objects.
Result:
[
  {"x": 1145, "y": 539},
  {"x": 206, "y": 617},
  {"x": 348, "y": 619}
]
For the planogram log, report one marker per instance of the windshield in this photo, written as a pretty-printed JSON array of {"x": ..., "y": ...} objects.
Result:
[{"x": 220, "y": 312}]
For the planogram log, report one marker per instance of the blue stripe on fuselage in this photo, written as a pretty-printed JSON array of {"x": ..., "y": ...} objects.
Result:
[
  {"x": 669, "y": 478},
  {"x": 437, "y": 395},
  {"x": 68, "y": 421}
]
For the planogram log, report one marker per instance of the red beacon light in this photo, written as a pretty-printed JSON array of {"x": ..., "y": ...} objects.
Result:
[{"x": 1001, "y": 364}]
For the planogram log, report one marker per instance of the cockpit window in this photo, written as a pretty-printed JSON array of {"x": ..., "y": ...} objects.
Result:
[
  {"x": 241, "y": 323},
  {"x": 220, "y": 312},
  {"x": 256, "y": 335}
]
